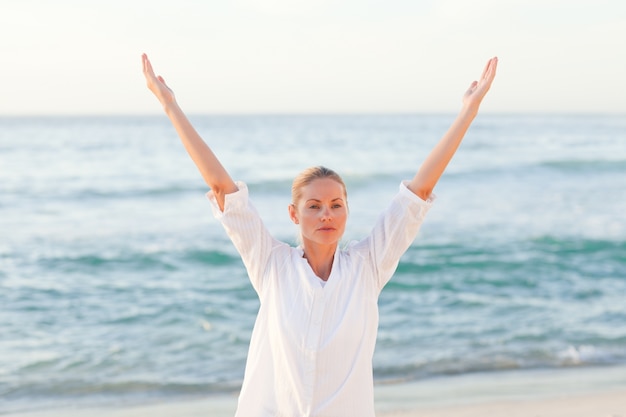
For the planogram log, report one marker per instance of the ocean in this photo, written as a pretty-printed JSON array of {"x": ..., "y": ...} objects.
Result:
[{"x": 117, "y": 285}]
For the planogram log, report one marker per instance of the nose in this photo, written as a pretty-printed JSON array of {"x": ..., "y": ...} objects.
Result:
[{"x": 326, "y": 214}]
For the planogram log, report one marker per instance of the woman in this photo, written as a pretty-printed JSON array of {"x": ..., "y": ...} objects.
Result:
[{"x": 312, "y": 344}]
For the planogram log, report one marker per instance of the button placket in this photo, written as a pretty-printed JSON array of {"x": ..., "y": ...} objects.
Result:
[
  {"x": 313, "y": 339},
  {"x": 315, "y": 327}
]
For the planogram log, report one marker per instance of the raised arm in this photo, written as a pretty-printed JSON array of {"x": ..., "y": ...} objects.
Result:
[
  {"x": 214, "y": 174},
  {"x": 433, "y": 167}
]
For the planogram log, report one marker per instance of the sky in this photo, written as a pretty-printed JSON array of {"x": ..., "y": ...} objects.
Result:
[{"x": 316, "y": 56}]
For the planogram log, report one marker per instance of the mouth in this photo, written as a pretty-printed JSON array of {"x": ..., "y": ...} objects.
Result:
[{"x": 326, "y": 229}]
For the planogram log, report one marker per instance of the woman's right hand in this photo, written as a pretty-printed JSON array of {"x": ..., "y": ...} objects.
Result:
[
  {"x": 477, "y": 90},
  {"x": 156, "y": 84}
]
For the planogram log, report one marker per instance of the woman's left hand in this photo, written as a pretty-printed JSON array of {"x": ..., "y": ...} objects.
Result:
[{"x": 156, "y": 84}]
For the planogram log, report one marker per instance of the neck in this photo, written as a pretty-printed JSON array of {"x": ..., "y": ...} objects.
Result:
[{"x": 320, "y": 258}]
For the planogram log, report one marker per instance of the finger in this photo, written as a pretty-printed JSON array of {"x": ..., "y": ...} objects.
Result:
[
  {"x": 147, "y": 66},
  {"x": 144, "y": 62},
  {"x": 490, "y": 69},
  {"x": 494, "y": 66},
  {"x": 471, "y": 88},
  {"x": 485, "y": 70}
]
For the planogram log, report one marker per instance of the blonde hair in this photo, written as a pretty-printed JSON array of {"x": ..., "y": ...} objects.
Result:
[{"x": 309, "y": 175}]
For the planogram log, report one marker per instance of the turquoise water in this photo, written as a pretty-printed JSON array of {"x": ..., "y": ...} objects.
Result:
[{"x": 116, "y": 283}]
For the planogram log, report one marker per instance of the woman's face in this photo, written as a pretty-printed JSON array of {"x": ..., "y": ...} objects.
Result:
[{"x": 321, "y": 212}]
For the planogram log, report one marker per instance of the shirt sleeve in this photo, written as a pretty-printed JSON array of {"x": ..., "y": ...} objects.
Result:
[
  {"x": 394, "y": 231},
  {"x": 246, "y": 230}
]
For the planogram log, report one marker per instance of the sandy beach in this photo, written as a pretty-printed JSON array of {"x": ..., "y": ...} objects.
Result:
[
  {"x": 609, "y": 404},
  {"x": 573, "y": 392}
]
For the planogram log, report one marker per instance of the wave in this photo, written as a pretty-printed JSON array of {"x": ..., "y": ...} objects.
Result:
[
  {"x": 37, "y": 394},
  {"x": 586, "y": 166},
  {"x": 130, "y": 192},
  {"x": 502, "y": 360},
  {"x": 528, "y": 171},
  {"x": 543, "y": 302},
  {"x": 515, "y": 256},
  {"x": 131, "y": 261},
  {"x": 99, "y": 262}
]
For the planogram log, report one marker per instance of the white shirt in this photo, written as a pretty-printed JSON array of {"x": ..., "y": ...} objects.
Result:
[{"x": 312, "y": 346}]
